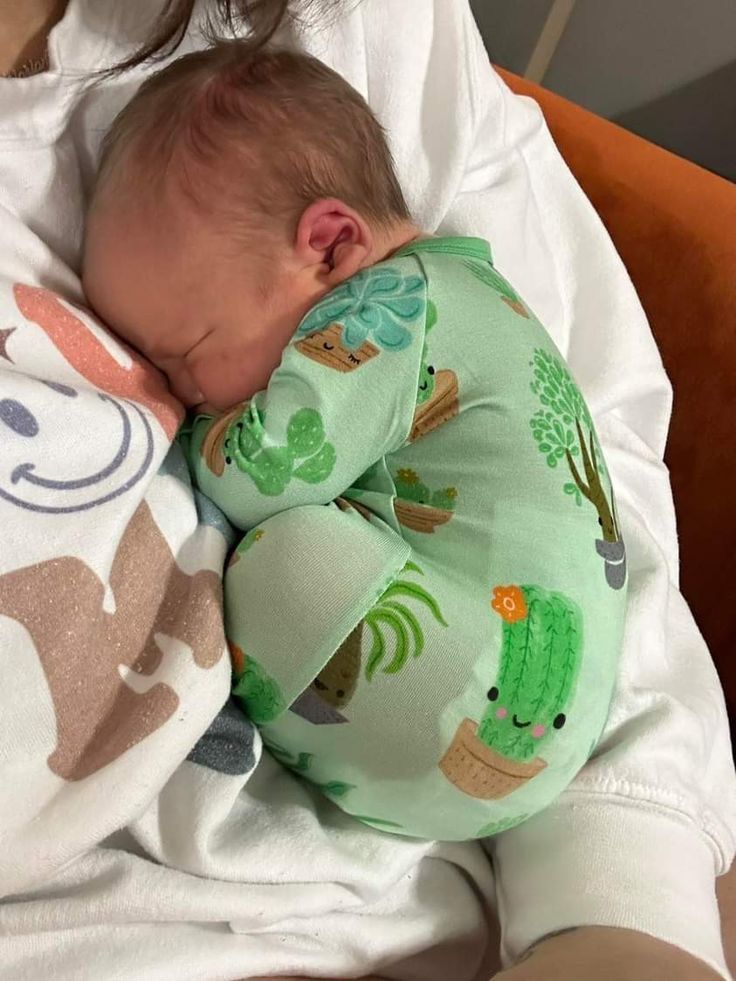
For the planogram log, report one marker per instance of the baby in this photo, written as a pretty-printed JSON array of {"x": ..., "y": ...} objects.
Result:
[{"x": 426, "y": 609}]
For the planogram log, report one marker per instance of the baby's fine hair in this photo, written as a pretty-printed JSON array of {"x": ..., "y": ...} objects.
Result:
[{"x": 267, "y": 131}]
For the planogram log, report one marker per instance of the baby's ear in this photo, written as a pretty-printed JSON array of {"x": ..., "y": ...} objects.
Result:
[{"x": 332, "y": 235}]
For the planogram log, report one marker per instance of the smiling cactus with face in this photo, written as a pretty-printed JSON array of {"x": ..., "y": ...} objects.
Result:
[
  {"x": 541, "y": 651},
  {"x": 540, "y": 659},
  {"x": 427, "y": 382}
]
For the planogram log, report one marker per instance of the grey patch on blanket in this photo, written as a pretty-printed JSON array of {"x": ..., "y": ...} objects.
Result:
[
  {"x": 209, "y": 514},
  {"x": 311, "y": 707},
  {"x": 227, "y": 746},
  {"x": 174, "y": 465}
]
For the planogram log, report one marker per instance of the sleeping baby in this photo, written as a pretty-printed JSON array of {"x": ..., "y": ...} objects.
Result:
[{"x": 426, "y": 606}]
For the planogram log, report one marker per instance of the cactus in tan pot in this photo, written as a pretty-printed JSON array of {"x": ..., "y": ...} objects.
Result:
[
  {"x": 541, "y": 651},
  {"x": 419, "y": 508}
]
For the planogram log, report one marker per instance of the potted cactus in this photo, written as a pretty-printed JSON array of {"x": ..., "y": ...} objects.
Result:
[
  {"x": 306, "y": 455},
  {"x": 259, "y": 692},
  {"x": 437, "y": 391},
  {"x": 437, "y": 399},
  {"x": 211, "y": 448},
  {"x": 244, "y": 545},
  {"x": 540, "y": 659},
  {"x": 418, "y": 508},
  {"x": 559, "y": 429},
  {"x": 301, "y": 763},
  {"x": 365, "y": 315},
  {"x": 437, "y": 404},
  {"x": 391, "y": 617}
]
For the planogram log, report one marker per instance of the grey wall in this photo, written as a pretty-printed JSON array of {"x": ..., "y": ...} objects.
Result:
[
  {"x": 619, "y": 54},
  {"x": 665, "y": 69},
  {"x": 510, "y": 34}
]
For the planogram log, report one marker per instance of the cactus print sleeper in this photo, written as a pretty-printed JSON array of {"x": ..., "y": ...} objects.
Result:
[{"x": 426, "y": 611}]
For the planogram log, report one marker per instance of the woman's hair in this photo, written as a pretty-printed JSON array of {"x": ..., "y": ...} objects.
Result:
[{"x": 262, "y": 17}]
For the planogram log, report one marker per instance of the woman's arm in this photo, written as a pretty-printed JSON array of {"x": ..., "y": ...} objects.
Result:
[
  {"x": 607, "y": 955},
  {"x": 641, "y": 834}
]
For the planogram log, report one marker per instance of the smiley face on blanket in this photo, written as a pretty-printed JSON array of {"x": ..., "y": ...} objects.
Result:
[
  {"x": 37, "y": 470},
  {"x": 47, "y": 463}
]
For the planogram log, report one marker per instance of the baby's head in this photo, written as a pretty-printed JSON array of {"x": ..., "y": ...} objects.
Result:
[{"x": 235, "y": 190}]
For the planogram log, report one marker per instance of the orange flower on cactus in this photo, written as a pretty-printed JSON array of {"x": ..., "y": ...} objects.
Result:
[
  {"x": 509, "y": 603},
  {"x": 407, "y": 476},
  {"x": 237, "y": 658}
]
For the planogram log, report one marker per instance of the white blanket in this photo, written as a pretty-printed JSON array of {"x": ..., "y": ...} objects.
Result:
[{"x": 129, "y": 846}]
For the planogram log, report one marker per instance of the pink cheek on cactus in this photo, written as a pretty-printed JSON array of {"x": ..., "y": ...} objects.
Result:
[
  {"x": 538, "y": 732},
  {"x": 501, "y": 713}
]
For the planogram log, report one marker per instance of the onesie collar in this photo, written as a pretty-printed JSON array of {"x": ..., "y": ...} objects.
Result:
[{"x": 473, "y": 248}]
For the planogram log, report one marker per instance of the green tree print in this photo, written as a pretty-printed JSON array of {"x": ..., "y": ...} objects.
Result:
[{"x": 563, "y": 430}]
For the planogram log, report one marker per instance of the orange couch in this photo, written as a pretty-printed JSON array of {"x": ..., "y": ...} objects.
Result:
[{"x": 674, "y": 225}]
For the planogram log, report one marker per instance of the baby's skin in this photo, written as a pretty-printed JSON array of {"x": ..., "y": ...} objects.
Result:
[{"x": 214, "y": 318}]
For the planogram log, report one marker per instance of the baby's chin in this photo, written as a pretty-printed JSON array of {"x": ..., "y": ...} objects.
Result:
[
  {"x": 218, "y": 407},
  {"x": 204, "y": 409}
]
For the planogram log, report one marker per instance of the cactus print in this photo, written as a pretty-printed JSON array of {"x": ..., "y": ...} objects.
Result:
[
  {"x": 375, "y": 305},
  {"x": 394, "y": 627},
  {"x": 272, "y": 467},
  {"x": 540, "y": 660},
  {"x": 301, "y": 763},
  {"x": 410, "y": 488},
  {"x": 502, "y": 824},
  {"x": 258, "y": 691}
]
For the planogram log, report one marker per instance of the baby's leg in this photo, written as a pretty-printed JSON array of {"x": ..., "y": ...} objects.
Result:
[{"x": 295, "y": 589}]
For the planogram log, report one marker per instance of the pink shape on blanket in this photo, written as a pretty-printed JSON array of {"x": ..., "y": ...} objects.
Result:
[{"x": 141, "y": 382}]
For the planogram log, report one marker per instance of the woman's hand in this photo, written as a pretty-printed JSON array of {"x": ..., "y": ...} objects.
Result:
[{"x": 606, "y": 954}]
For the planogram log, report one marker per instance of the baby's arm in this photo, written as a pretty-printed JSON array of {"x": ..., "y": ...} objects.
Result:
[{"x": 343, "y": 396}]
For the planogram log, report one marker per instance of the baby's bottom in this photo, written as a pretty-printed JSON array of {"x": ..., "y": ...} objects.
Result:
[{"x": 373, "y": 671}]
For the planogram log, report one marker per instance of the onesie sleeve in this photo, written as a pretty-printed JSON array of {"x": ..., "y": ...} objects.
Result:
[{"x": 343, "y": 396}]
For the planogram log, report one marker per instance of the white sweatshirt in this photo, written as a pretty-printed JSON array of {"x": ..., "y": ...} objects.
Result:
[{"x": 221, "y": 872}]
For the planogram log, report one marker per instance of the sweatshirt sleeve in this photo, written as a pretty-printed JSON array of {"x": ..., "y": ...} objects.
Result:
[
  {"x": 640, "y": 836},
  {"x": 343, "y": 396}
]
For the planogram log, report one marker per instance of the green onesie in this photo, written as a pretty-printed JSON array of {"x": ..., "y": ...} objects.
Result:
[{"x": 426, "y": 611}]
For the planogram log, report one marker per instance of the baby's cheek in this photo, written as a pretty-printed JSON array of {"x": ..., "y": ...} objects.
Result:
[
  {"x": 184, "y": 386},
  {"x": 229, "y": 378}
]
